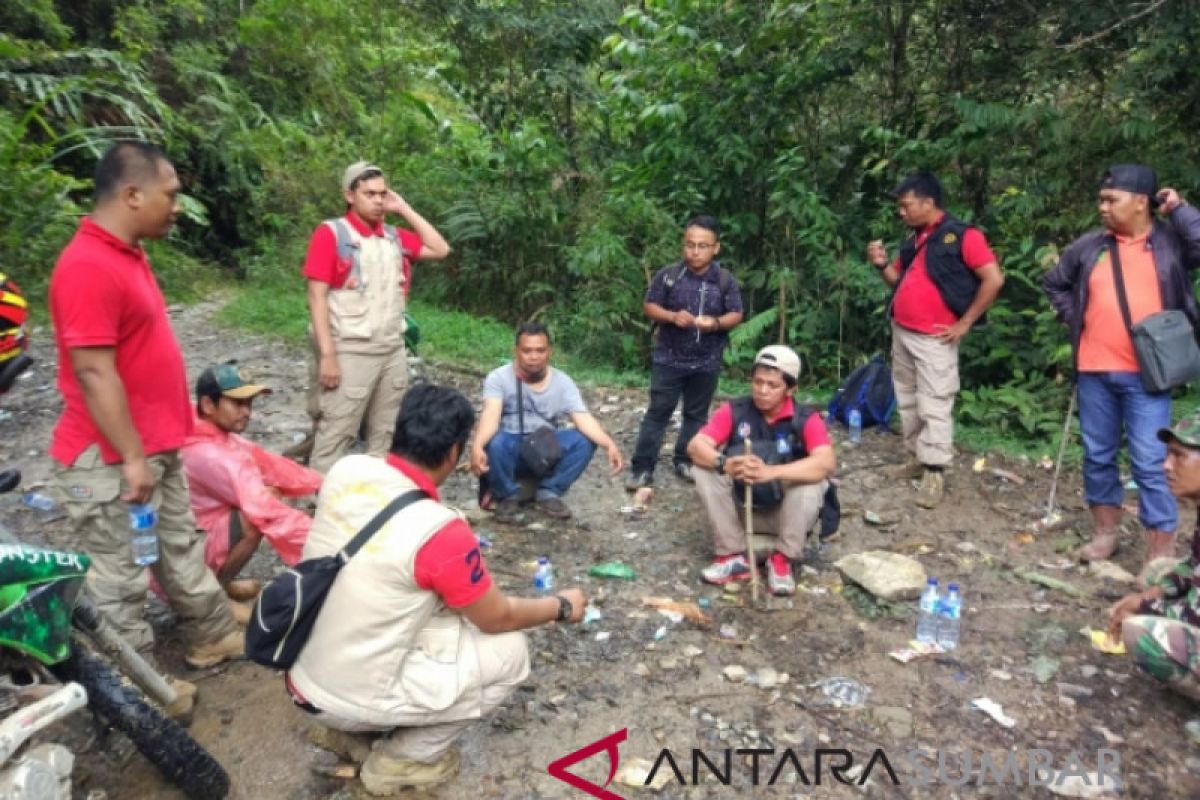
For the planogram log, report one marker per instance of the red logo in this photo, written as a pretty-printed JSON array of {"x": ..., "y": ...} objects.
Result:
[{"x": 608, "y": 744}]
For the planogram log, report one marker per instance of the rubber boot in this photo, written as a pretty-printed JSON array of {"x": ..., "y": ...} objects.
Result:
[
  {"x": 1159, "y": 545},
  {"x": 1106, "y": 520}
]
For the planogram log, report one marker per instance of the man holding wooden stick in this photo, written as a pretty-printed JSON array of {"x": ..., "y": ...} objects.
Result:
[{"x": 786, "y": 466}]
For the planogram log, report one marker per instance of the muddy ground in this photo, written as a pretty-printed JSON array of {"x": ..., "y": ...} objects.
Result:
[{"x": 663, "y": 681}]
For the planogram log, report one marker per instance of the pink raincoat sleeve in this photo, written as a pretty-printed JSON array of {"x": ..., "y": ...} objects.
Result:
[{"x": 224, "y": 477}]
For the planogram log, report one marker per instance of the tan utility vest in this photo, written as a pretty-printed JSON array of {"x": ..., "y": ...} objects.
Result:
[
  {"x": 382, "y": 648},
  {"x": 367, "y": 314}
]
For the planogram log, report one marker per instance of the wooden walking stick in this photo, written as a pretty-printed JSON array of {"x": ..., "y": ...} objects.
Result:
[{"x": 750, "y": 532}]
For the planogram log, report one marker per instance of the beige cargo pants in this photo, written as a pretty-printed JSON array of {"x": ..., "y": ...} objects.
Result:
[
  {"x": 925, "y": 374},
  {"x": 371, "y": 389},
  {"x": 790, "y": 522},
  {"x": 91, "y": 490}
]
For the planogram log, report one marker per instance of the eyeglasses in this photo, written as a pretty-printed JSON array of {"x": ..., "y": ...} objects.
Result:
[{"x": 700, "y": 246}]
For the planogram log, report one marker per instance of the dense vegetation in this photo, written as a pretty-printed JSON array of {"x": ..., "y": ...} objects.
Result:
[{"x": 559, "y": 145}]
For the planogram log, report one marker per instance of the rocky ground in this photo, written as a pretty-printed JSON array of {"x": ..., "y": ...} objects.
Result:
[{"x": 745, "y": 681}]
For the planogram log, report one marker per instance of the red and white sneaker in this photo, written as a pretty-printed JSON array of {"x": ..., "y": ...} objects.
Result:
[
  {"x": 779, "y": 575},
  {"x": 733, "y": 567}
]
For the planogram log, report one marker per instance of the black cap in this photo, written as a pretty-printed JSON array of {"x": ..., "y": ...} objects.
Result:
[{"x": 1132, "y": 178}]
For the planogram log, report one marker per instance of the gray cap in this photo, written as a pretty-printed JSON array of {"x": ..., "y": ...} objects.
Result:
[{"x": 356, "y": 171}]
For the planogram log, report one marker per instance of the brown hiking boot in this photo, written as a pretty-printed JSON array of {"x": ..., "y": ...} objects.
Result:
[
  {"x": 1106, "y": 522},
  {"x": 354, "y": 747},
  {"x": 910, "y": 470},
  {"x": 383, "y": 775},
  {"x": 932, "y": 489},
  {"x": 228, "y": 647},
  {"x": 244, "y": 589},
  {"x": 554, "y": 507},
  {"x": 508, "y": 511},
  {"x": 185, "y": 701}
]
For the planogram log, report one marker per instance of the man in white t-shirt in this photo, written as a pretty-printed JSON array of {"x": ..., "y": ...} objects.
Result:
[{"x": 519, "y": 399}]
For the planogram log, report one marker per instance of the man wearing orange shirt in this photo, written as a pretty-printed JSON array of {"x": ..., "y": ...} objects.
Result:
[
  {"x": 1154, "y": 258},
  {"x": 945, "y": 278}
]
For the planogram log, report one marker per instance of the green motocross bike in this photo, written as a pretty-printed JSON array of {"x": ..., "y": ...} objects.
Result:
[{"x": 51, "y": 641}]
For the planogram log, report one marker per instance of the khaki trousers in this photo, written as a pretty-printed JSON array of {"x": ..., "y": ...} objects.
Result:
[
  {"x": 502, "y": 663},
  {"x": 91, "y": 493},
  {"x": 925, "y": 373},
  {"x": 371, "y": 389},
  {"x": 791, "y": 521}
]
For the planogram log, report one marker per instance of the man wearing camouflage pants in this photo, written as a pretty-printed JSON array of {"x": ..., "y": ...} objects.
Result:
[{"x": 1161, "y": 625}]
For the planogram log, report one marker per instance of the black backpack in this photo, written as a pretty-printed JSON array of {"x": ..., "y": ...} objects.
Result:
[
  {"x": 289, "y": 605},
  {"x": 869, "y": 389}
]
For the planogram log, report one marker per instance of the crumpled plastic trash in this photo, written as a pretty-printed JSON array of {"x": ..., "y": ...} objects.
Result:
[
  {"x": 842, "y": 692},
  {"x": 612, "y": 569},
  {"x": 994, "y": 710},
  {"x": 1101, "y": 641}
]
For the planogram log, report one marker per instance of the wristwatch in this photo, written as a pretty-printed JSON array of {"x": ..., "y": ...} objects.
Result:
[
  {"x": 565, "y": 609},
  {"x": 719, "y": 464}
]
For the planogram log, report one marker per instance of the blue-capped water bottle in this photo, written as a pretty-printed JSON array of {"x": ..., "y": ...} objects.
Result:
[
  {"x": 927, "y": 613},
  {"x": 143, "y": 523},
  {"x": 543, "y": 576},
  {"x": 949, "y": 620},
  {"x": 855, "y": 420}
]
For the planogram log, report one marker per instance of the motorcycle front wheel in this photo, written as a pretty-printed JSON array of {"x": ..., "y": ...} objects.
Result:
[{"x": 163, "y": 742}]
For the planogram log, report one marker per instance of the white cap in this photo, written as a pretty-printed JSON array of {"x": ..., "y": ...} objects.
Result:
[{"x": 780, "y": 357}]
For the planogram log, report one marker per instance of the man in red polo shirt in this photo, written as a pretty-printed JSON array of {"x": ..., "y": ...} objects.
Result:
[
  {"x": 945, "y": 278},
  {"x": 126, "y": 409},
  {"x": 358, "y": 270}
]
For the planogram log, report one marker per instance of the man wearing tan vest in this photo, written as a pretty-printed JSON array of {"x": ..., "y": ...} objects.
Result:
[
  {"x": 358, "y": 269},
  {"x": 415, "y": 641}
]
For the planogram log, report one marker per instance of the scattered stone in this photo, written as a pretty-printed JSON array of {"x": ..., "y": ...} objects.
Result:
[
  {"x": 635, "y": 772},
  {"x": 889, "y": 576},
  {"x": 895, "y": 720},
  {"x": 641, "y": 670},
  {"x": 722, "y": 725},
  {"x": 1087, "y": 785},
  {"x": 691, "y": 651},
  {"x": 1088, "y": 671},
  {"x": 1110, "y": 571},
  {"x": 1108, "y": 735},
  {"x": 707, "y": 718},
  {"x": 1001, "y": 675},
  {"x": 734, "y": 673},
  {"x": 1074, "y": 690},
  {"x": 669, "y": 663},
  {"x": 765, "y": 678}
]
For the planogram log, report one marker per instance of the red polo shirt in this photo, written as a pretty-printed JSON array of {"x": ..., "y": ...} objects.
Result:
[
  {"x": 322, "y": 264},
  {"x": 919, "y": 305},
  {"x": 720, "y": 427},
  {"x": 450, "y": 563},
  {"x": 103, "y": 294}
]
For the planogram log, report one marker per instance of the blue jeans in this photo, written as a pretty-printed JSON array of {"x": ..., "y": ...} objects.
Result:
[
  {"x": 667, "y": 385},
  {"x": 1108, "y": 402},
  {"x": 505, "y": 466}
]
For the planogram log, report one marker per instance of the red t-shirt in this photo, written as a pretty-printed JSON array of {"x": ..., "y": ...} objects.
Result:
[
  {"x": 450, "y": 563},
  {"x": 103, "y": 294},
  {"x": 322, "y": 264},
  {"x": 720, "y": 427},
  {"x": 919, "y": 305}
]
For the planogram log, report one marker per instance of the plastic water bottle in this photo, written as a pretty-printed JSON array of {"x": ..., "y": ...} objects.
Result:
[
  {"x": 949, "y": 619},
  {"x": 143, "y": 521},
  {"x": 39, "y": 501},
  {"x": 855, "y": 420},
  {"x": 543, "y": 576},
  {"x": 927, "y": 613}
]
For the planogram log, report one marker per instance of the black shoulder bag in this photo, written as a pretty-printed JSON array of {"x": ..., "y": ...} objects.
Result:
[
  {"x": 1164, "y": 343},
  {"x": 540, "y": 450},
  {"x": 288, "y": 606}
]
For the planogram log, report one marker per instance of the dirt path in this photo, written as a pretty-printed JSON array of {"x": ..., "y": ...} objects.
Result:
[{"x": 663, "y": 681}]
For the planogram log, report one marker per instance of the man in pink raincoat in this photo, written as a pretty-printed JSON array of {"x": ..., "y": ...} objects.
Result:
[{"x": 238, "y": 488}]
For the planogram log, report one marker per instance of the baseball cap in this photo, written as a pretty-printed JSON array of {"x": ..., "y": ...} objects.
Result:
[
  {"x": 1186, "y": 431},
  {"x": 356, "y": 171},
  {"x": 1134, "y": 178},
  {"x": 781, "y": 358},
  {"x": 227, "y": 379}
]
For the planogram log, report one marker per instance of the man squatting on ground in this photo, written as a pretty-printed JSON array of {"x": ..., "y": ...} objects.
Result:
[
  {"x": 1161, "y": 625},
  {"x": 547, "y": 396},
  {"x": 788, "y": 469},
  {"x": 693, "y": 304},
  {"x": 414, "y": 641},
  {"x": 1155, "y": 258},
  {"x": 359, "y": 270},
  {"x": 945, "y": 278},
  {"x": 238, "y": 488},
  {"x": 127, "y": 412}
]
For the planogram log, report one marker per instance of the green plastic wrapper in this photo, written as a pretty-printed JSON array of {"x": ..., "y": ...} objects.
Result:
[{"x": 612, "y": 569}]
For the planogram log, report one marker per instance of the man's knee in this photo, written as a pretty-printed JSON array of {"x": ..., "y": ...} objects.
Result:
[{"x": 506, "y": 660}]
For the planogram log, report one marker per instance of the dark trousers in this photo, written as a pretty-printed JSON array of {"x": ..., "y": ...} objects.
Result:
[{"x": 667, "y": 385}]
